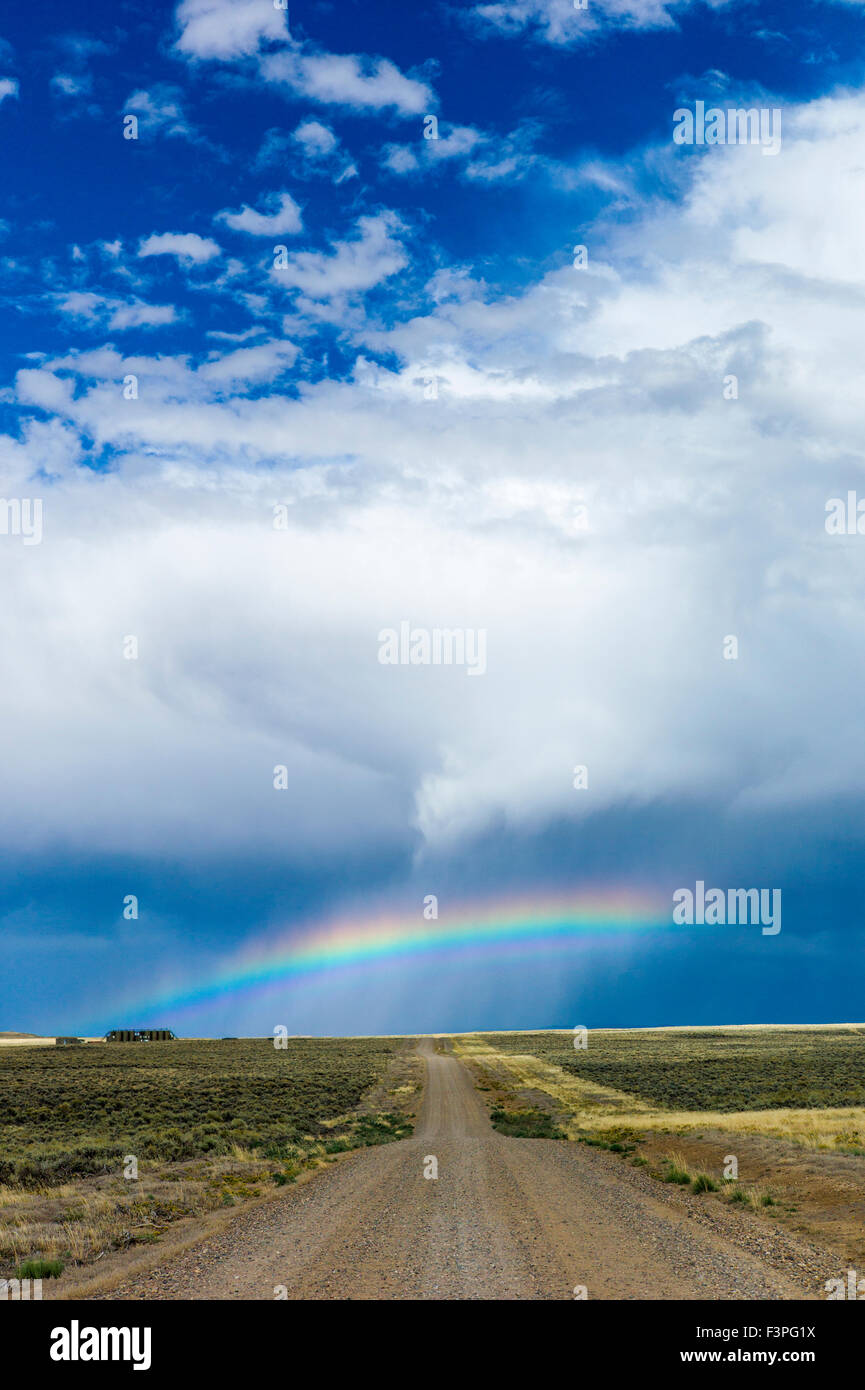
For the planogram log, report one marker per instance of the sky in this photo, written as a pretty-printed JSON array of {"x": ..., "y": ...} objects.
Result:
[{"x": 329, "y": 323}]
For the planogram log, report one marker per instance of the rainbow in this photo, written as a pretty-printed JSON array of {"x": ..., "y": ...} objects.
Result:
[{"x": 285, "y": 956}]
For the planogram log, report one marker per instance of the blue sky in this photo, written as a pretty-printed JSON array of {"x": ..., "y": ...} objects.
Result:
[{"x": 463, "y": 430}]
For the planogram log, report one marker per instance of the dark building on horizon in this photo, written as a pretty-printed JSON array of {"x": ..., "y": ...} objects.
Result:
[{"x": 140, "y": 1035}]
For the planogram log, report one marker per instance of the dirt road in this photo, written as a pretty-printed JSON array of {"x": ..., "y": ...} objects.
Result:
[{"x": 505, "y": 1219}]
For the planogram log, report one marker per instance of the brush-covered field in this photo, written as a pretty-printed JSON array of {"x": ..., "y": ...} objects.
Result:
[
  {"x": 763, "y": 1119},
  {"x": 209, "y": 1123},
  {"x": 70, "y": 1111},
  {"x": 721, "y": 1070}
]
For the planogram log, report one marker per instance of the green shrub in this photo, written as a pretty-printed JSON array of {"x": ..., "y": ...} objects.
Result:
[
  {"x": 39, "y": 1269},
  {"x": 616, "y": 1140},
  {"x": 703, "y": 1183},
  {"x": 526, "y": 1124},
  {"x": 676, "y": 1172},
  {"x": 741, "y": 1196},
  {"x": 287, "y": 1175},
  {"x": 381, "y": 1129}
]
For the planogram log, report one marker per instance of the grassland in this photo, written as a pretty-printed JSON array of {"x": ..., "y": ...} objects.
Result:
[
  {"x": 731, "y": 1070},
  {"x": 208, "y": 1123},
  {"x": 787, "y": 1103},
  {"x": 214, "y": 1124},
  {"x": 803, "y": 1085}
]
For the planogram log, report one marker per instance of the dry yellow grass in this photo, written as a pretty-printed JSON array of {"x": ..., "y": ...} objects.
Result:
[
  {"x": 593, "y": 1107},
  {"x": 80, "y": 1221},
  {"x": 103, "y": 1215}
]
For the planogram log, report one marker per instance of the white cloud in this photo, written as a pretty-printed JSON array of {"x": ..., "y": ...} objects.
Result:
[
  {"x": 160, "y": 110},
  {"x": 400, "y": 159},
  {"x": 226, "y": 29},
  {"x": 187, "y": 247},
  {"x": 600, "y": 388},
  {"x": 316, "y": 151},
  {"x": 8, "y": 87},
  {"x": 137, "y": 315},
  {"x": 353, "y": 266},
  {"x": 275, "y": 148},
  {"x": 284, "y": 218},
  {"x": 561, "y": 22},
  {"x": 235, "y": 30},
  {"x": 243, "y": 337},
  {"x": 71, "y": 84},
  {"x": 458, "y": 143},
  {"x": 249, "y": 366},
  {"x": 36, "y": 387},
  {"x": 347, "y": 79},
  {"x": 116, "y": 313},
  {"x": 480, "y": 156},
  {"x": 81, "y": 47},
  {"x": 316, "y": 140}
]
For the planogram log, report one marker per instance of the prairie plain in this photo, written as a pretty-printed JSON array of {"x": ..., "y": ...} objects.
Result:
[
  {"x": 104, "y": 1146},
  {"x": 107, "y": 1150}
]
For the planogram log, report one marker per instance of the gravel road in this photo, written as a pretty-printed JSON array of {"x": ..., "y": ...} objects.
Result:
[{"x": 505, "y": 1219}]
